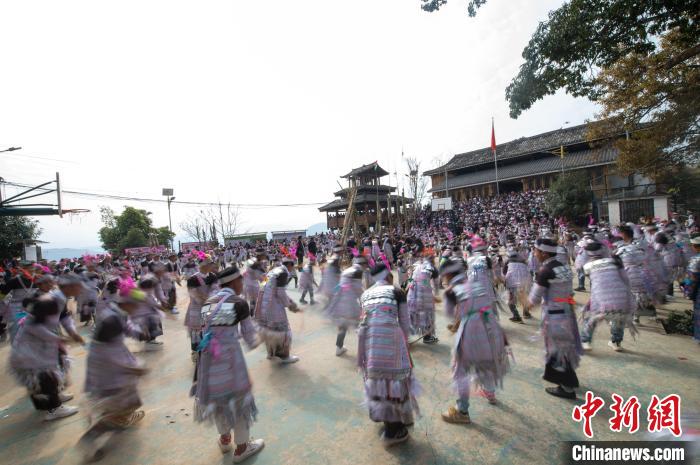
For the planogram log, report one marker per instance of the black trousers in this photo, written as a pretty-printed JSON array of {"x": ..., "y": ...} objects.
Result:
[
  {"x": 340, "y": 339},
  {"x": 48, "y": 398},
  {"x": 392, "y": 429},
  {"x": 566, "y": 378},
  {"x": 172, "y": 297}
]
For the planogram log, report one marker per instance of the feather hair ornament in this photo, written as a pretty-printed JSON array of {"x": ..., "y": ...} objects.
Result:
[{"x": 126, "y": 285}]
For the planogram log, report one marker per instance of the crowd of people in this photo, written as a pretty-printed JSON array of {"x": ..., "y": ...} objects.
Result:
[
  {"x": 498, "y": 212},
  {"x": 483, "y": 259}
]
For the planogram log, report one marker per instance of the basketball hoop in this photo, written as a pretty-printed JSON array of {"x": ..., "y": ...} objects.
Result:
[{"x": 74, "y": 213}]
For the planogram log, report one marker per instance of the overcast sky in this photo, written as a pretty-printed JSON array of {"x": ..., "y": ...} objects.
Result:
[{"x": 264, "y": 101}]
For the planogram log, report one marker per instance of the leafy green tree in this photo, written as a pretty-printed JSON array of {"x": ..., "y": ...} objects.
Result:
[
  {"x": 13, "y": 230},
  {"x": 434, "y": 5},
  {"x": 660, "y": 93},
  {"x": 132, "y": 228},
  {"x": 583, "y": 36},
  {"x": 164, "y": 235},
  {"x": 134, "y": 238},
  {"x": 569, "y": 196},
  {"x": 683, "y": 185},
  {"x": 640, "y": 60}
]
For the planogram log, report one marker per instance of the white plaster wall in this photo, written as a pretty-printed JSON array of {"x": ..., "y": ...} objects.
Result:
[
  {"x": 614, "y": 211},
  {"x": 661, "y": 208}
]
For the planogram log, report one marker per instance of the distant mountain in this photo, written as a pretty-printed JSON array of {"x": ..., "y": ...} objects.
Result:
[
  {"x": 316, "y": 229},
  {"x": 57, "y": 254}
]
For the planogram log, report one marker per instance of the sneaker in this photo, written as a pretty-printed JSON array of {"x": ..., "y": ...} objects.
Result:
[
  {"x": 224, "y": 443},
  {"x": 587, "y": 346},
  {"x": 313, "y": 302},
  {"x": 559, "y": 392},
  {"x": 516, "y": 319},
  {"x": 174, "y": 311},
  {"x": 65, "y": 397},
  {"x": 453, "y": 415},
  {"x": 527, "y": 315},
  {"x": 430, "y": 340},
  {"x": 252, "y": 447},
  {"x": 130, "y": 420},
  {"x": 60, "y": 412},
  {"x": 303, "y": 301},
  {"x": 616, "y": 346},
  {"x": 289, "y": 360},
  {"x": 340, "y": 351},
  {"x": 580, "y": 289},
  {"x": 399, "y": 438}
]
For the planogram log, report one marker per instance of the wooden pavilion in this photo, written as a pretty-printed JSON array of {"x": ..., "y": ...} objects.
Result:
[{"x": 374, "y": 204}]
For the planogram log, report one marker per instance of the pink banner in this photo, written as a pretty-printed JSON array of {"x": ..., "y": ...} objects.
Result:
[{"x": 145, "y": 250}]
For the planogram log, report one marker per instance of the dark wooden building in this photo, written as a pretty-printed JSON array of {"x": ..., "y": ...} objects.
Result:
[
  {"x": 371, "y": 196},
  {"x": 532, "y": 163}
]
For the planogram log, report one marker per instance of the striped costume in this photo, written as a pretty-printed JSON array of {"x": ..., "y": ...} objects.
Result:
[
  {"x": 199, "y": 287},
  {"x": 271, "y": 315},
  {"x": 553, "y": 288},
  {"x": 222, "y": 388},
  {"x": 610, "y": 300},
  {"x": 421, "y": 302},
  {"x": 383, "y": 355},
  {"x": 480, "y": 344}
]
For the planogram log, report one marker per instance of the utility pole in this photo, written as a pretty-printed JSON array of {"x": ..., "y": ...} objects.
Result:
[
  {"x": 403, "y": 208},
  {"x": 378, "y": 224},
  {"x": 168, "y": 193}
]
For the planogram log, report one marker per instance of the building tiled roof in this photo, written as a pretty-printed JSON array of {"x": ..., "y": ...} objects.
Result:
[
  {"x": 551, "y": 164},
  {"x": 371, "y": 169},
  {"x": 545, "y": 142}
]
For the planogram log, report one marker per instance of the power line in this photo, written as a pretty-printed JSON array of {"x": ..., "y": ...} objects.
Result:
[
  {"x": 181, "y": 202},
  {"x": 22, "y": 155}
]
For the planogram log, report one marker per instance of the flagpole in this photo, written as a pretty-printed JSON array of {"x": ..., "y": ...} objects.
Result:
[
  {"x": 561, "y": 155},
  {"x": 495, "y": 156}
]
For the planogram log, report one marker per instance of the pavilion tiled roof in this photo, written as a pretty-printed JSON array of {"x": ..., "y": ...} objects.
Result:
[
  {"x": 362, "y": 198},
  {"x": 366, "y": 188},
  {"x": 371, "y": 169}
]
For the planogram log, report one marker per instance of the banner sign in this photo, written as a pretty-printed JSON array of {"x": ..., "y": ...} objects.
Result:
[
  {"x": 187, "y": 247},
  {"x": 145, "y": 250}
]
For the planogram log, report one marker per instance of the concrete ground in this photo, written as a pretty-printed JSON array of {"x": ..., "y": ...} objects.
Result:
[{"x": 310, "y": 412}]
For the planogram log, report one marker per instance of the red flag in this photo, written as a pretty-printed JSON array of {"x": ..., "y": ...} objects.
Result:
[{"x": 493, "y": 138}]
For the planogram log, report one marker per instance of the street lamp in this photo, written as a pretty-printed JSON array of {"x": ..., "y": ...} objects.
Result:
[
  {"x": 11, "y": 149},
  {"x": 168, "y": 192}
]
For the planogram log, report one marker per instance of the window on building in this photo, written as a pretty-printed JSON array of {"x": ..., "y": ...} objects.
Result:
[
  {"x": 603, "y": 213},
  {"x": 597, "y": 176},
  {"x": 633, "y": 210}
]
